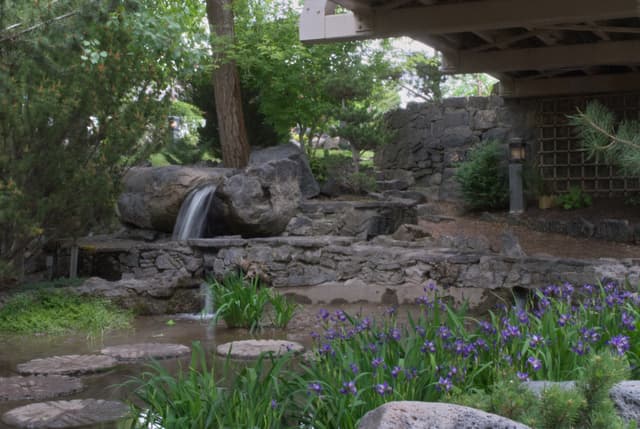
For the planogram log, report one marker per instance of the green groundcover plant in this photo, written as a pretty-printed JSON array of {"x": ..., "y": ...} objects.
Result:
[
  {"x": 241, "y": 302},
  {"x": 54, "y": 312},
  {"x": 589, "y": 334}
]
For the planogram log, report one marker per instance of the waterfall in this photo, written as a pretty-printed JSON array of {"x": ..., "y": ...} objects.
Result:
[
  {"x": 192, "y": 219},
  {"x": 207, "y": 308}
]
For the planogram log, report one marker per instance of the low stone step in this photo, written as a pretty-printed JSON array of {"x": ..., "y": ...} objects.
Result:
[
  {"x": 36, "y": 388},
  {"x": 144, "y": 351},
  {"x": 252, "y": 349},
  {"x": 66, "y": 414},
  {"x": 68, "y": 365}
]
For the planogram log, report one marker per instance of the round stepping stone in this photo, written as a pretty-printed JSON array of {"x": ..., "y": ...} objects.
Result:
[
  {"x": 66, "y": 414},
  {"x": 67, "y": 365},
  {"x": 35, "y": 388},
  {"x": 142, "y": 351},
  {"x": 252, "y": 349}
]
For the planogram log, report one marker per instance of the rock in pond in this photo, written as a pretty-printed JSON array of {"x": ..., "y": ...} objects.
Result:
[
  {"x": 143, "y": 351},
  {"x": 152, "y": 196},
  {"x": 252, "y": 349},
  {"x": 66, "y": 414},
  {"x": 68, "y": 365},
  {"x": 261, "y": 200},
  {"x": 433, "y": 415},
  {"x": 36, "y": 388}
]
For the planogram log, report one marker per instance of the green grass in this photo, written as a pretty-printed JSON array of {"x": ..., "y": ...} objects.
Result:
[{"x": 52, "y": 312}]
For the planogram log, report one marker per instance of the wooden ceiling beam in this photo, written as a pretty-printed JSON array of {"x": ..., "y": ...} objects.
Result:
[
  {"x": 570, "y": 85},
  {"x": 552, "y": 57},
  {"x": 598, "y": 32},
  {"x": 593, "y": 28},
  {"x": 498, "y": 14}
]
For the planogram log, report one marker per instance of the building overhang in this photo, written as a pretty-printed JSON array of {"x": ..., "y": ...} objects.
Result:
[{"x": 541, "y": 47}]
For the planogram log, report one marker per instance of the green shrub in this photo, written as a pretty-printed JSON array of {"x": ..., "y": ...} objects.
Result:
[
  {"x": 53, "y": 312},
  {"x": 238, "y": 301},
  {"x": 283, "y": 310},
  {"x": 576, "y": 198},
  {"x": 241, "y": 302},
  {"x": 484, "y": 177}
]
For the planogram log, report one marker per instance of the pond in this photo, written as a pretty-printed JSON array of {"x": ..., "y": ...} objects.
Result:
[{"x": 178, "y": 329}]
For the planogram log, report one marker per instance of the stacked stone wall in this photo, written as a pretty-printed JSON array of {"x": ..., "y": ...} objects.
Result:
[{"x": 431, "y": 139}]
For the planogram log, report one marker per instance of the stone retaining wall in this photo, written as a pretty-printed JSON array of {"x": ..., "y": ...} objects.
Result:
[
  {"x": 342, "y": 269},
  {"x": 432, "y": 138}
]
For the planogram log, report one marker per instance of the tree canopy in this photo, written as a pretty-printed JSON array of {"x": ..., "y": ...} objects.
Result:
[{"x": 84, "y": 90}]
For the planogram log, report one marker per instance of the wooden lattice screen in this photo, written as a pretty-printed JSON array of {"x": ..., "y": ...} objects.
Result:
[{"x": 562, "y": 161}]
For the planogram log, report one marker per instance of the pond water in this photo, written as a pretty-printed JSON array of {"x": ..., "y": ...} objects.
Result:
[{"x": 16, "y": 349}]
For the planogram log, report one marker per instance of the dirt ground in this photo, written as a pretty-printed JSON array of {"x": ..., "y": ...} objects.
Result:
[{"x": 543, "y": 243}]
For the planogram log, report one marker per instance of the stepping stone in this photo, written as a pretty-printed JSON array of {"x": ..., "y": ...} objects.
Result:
[
  {"x": 252, "y": 349},
  {"x": 143, "y": 351},
  {"x": 36, "y": 388},
  {"x": 66, "y": 414},
  {"x": 67, "y": 365}
]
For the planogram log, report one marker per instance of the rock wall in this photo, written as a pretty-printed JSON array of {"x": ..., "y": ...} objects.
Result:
[
  {"x": 383, "y": 270},
  {"x": 432, "y": 138}
]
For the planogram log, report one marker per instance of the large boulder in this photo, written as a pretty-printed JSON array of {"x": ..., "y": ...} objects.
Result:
[
  {"x": 152, "y": 196},
  {"x": 261, "y": 200},
  {"x": 309, "y": 188},
  {"x": 428, "y": 415},
  {"x": 626, "y": 397},
  {"x": 170, "y": 293}
]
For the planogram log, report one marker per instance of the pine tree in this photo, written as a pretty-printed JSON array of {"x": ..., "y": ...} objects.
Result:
[{"x": 604, "y": 137}]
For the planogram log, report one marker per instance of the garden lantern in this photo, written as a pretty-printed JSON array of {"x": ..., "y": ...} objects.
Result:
[
  {"x": 517, "y": 155},
  {"x": 517, "y": 150}
]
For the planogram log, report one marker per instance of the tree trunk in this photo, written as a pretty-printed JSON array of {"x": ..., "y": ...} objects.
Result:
[{"x": 226, "y": 85}]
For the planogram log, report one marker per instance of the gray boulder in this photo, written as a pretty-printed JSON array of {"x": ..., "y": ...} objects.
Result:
[
  {"x": 432, "y": 415},
  {"x": 626, "y": 397},
  {"x": 163, "y": 294},
  {"x": 309, "y": 188},
  {"x": 261, "y": 200},
  {"x": 152, "y": 196},
  {"x": 538, "y": 387}
]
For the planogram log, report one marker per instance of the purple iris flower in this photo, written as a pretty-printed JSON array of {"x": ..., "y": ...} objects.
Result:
[
  {"x": 395, "y": 334},
  {"x": 444, "y": 384},
  {"x": 395, "y": 371},
  {"x": 581, "y": 348},
  {"x": 535, "y": 363},
  {"x": 376, "y": 362},
  {"x": 323, "y": 314},
  {"x": 522, "y": 376},
  {"x": 349, "y": 387},
  {"x": 383, "y": 388},
  {"x": 523, "y": 317},
  {"x": 354, "y": 368},
  {"x": 620, "y": 343},
  {"x": 315, "y": 388},
  {"x": 628, "y": 321},
  {"x": 563, "y": 319},
  {"x": 536, "y": 340},
  {"x": 428, "y": 346}
]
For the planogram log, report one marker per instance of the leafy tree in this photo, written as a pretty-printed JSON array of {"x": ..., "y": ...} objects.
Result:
[
  {"x": 602, "y": 135},
  {"x": 83, "y": 96},
  {"x": 363, "y": 127},
  {"x": 299, "y": 86},
  {"x": 423, "y": 77}
]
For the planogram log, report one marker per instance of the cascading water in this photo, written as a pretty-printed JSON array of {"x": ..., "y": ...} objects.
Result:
[{"x": 192, "y": 218}]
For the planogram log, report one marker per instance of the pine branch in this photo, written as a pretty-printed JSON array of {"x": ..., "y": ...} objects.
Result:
[
  {"x": 35, "y": 26},
  {"x": 614, "y": 139}
]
